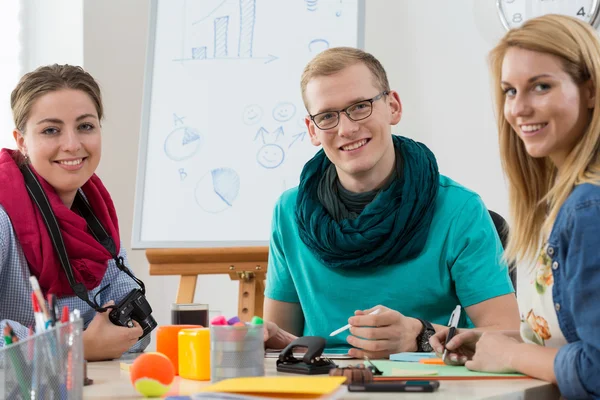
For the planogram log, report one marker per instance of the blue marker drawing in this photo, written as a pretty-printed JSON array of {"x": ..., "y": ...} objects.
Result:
[
  {"x": 182, "y": 174},
  {"x": 220, "y": 36},
  {"x": 318, "y": 45},
  {"x": 210, "y": 13},
  {"x": 297, "y": 137},
  {"x": 217, "y": 190},
  {"x": 247, "y": 19},
  {"x": 220, "y": 30},
  {"x": 199, "y": 53},
  {"x": 177, "y": 119},
  {"x": 311, "y": 5},
  {"x": 338, "y": 13},
  {"x": 284, "y": 111},
  {"x": 269, "y": 137},
  {"x": 226, "y": 183},
  {"x": 270, "y": 156},
  {"x": 252, "y": 114},
  {"x": 182, "y": 143}
]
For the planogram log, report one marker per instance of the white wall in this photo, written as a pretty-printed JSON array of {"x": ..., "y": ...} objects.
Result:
[
  {"x": 50, "y": 32},
  {"x": 435, "y": 55},
  {"x": 53, "y": 32},
  {"x": 10, "y": 69}
]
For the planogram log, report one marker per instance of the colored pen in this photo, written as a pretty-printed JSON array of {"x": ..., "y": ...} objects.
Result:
[
  {"x": 64, "y": 316},
  {"x": 53, "y": 309},
  {"x": 40, "y": 325},
  {"x": 18, "y": 362},
  {"x": 343, "y": 328},
  {"x": 35, "y": 285},
  {"x": 7, "y": 335},
  {"x": 453, "y": 324}
]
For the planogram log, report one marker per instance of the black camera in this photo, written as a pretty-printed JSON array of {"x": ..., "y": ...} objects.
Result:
[{"x": 134, "y": 307}]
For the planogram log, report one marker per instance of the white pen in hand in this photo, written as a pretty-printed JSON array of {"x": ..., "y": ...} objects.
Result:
[
  {"x": 343, "y": 328},
  {"x": 453, "y": 324}
]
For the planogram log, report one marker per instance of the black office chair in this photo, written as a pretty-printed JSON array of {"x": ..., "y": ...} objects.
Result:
[{"x": 502, "y": 229}]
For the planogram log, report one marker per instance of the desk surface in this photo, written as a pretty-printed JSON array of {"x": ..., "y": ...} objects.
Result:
[{"x": 110, "y": 382}]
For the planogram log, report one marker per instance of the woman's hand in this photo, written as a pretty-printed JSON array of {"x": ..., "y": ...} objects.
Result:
[
  {"x": 493, "y": 353},
  {"x": 103, "y": 340},
  {"x": 461, "y": 347}
]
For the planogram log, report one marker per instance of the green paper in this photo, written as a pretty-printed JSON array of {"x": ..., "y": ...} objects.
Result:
[{"x": 442, "y": 370}]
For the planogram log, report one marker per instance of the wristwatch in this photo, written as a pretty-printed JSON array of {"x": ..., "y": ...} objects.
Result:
[{"x": 423, "y": 337}]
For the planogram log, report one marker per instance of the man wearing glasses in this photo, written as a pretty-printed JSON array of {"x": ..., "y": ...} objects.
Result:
[{"x": 374, "y": 226}]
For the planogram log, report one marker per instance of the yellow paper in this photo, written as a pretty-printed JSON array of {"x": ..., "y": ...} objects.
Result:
[{"x": 289, "y": 385}]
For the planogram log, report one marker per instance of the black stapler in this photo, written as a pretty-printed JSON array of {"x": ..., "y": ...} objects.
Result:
[{"x": 312, "y": 363}]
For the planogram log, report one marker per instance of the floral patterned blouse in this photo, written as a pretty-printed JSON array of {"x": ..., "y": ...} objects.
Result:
[{"x": 539, "y": 324}]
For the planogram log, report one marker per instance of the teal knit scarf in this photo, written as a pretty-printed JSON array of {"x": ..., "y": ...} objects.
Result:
[{"x": 391, "y": 229}]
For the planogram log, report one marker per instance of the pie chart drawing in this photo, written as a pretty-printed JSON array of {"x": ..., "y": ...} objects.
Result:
[
  {"x": 217, "y": 190},
  {"x": 182, "y": 143}
]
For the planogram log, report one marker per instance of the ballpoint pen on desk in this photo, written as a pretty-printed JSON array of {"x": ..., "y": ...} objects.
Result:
[
  {"x": 343, "y": 328},
  {"x": 453, "y": 324}
]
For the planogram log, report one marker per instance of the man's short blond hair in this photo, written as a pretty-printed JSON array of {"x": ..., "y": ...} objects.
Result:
[{"x": 335, "y": 59}]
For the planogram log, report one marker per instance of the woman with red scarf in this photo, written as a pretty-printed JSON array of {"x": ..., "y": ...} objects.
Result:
[{"x": 57, "y": 112}]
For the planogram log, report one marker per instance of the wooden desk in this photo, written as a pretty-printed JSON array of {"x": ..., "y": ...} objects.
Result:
[{"x": 110, "y": 382}]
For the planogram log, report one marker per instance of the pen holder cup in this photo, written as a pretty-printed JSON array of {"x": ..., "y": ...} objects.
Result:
[
  {"x": 44, "y": 366},
  {"x": 236, "y": 351}
]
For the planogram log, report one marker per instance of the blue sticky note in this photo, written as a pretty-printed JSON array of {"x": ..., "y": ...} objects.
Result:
[{"x": 411, "y": 356}]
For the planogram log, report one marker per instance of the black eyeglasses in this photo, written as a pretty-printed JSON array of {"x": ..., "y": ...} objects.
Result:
[{"x": 356, "y": 112}]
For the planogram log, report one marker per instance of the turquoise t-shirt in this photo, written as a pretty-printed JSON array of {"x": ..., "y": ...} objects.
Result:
[{"x": 460, "y": 264}]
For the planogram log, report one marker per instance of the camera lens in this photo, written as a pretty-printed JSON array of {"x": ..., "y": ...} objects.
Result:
[{"x": 147, "y": 324}]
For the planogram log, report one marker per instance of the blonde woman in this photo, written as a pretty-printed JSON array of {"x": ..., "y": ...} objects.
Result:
[{"x": 546, "y": 76}]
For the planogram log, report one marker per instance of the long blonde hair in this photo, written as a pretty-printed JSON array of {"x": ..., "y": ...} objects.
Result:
[{"x": 536, "y": 191}]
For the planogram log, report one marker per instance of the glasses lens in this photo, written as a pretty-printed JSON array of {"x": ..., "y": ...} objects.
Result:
[
  {"x": 326, "y": 120},
  {"x": 360, "y": 110}
]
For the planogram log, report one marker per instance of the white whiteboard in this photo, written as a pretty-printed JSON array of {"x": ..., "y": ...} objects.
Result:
[{"x": 223, "y": 131}]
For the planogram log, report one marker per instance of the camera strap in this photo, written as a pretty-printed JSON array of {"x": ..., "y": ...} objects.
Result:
[{"x": 82, "y": 206}]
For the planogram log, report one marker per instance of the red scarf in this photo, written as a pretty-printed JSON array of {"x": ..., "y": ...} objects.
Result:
[{"x": 88, "y": 258}]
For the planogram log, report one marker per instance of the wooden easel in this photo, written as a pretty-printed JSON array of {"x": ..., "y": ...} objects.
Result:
[{"x": 248, "y": 265}]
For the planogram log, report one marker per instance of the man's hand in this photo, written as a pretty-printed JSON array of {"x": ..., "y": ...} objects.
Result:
[
  {"x": 275, "y": 337},
  {"x": 103, "y": 340},
  {"x": 378, "y": 336}
]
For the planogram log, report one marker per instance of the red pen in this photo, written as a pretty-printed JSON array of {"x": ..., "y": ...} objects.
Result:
[
  {"x": 64, "y": 316},
  {"x": 40, "y": 325}
]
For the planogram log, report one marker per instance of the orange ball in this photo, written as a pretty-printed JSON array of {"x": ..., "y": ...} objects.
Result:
[{"x": 152, "y": 374}]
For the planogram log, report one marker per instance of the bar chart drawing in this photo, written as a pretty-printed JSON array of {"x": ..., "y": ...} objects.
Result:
[
  {"x": 221, "y": 30},
  {"x": 223, "y": 25},
  {"x": 247, "y": 19}
]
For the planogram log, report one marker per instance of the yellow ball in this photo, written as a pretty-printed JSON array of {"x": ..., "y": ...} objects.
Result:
[{"x": 152, "y": 374}]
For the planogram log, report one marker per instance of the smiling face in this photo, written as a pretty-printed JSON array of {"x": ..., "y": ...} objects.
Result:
[
  {"x": 62, "y": 140},
  {"x": 544, "y": 106},
  {"x": 252, "y": 114},
  {"x": 284, "y": 112},
  {"x": 362, "y": 151},
  {"x": 270, "y": 156}
]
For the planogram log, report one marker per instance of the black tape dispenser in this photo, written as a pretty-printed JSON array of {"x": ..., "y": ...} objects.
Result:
[{"x": 312, "y": 363}]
